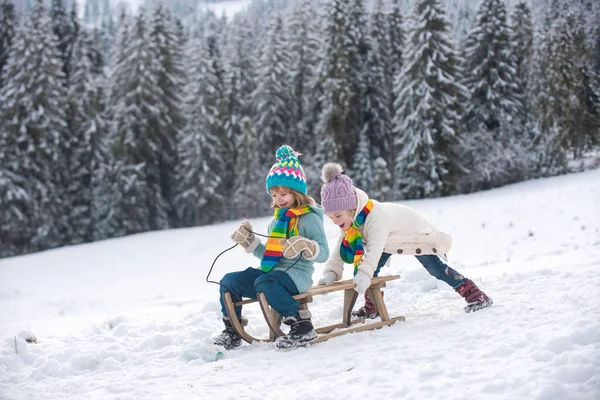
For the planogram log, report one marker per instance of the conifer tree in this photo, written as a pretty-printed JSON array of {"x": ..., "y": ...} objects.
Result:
[
  {"x": 65, "y": 28},
  {"x": 249, "y": 198},
  {"x": 597, "y": 50},
  {"x": 97, "y": 56},
  {"x": 108, "y": 35},
  {"x": 397, "y": 38},
  {"x": 303, "y": 35},
  {"x": 522, "y": 43},
  {"x": 549, "y": 157},
  {"x": 165, "y": 46},
  {"x": 214, "y": 99},
  {"x": 358, "y": 47},
  {"x": 376, "y": 97},
  {"x": 199, "y": 196},
  {"x": 138, "y": 116},
  {"x": 574, "y": 97},
  {"x": 428, "y": 107},
  {"x": 327, "y": 151},
  {"x": 272, "y": 95},
  {"x": 337, "y": 96},
  {"x": 494, "y": 114},
  {"x": 362, "y": 173},
  {"x": 8, "y": 21},
  {"x": 244, "y": 156},
  {"x": 33, "y": 122},
  {"x": 89, "y": 161},
  {"x": 381, "y": 180},
  {"x": 523, "y": 50}
]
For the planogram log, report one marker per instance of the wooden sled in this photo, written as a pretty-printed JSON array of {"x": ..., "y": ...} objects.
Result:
[{"x": 273, "y": 318}]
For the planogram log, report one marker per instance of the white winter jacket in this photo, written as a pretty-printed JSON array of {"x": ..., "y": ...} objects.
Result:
[{"x": 390, "y": 228}]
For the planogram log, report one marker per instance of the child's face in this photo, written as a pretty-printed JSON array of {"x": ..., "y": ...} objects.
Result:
[
  {"x": 343, "y": 219},
  {"x": 282, "y": 197}
]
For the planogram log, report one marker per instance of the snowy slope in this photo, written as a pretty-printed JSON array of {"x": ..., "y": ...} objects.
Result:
[{"x": 534, "y": 247}]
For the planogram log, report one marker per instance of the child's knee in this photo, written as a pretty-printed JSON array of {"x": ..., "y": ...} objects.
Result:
[
  {"x": 233, "y": 278},
  {"x": 228, "y": 281},
  {"x": 261, "y": 283}
]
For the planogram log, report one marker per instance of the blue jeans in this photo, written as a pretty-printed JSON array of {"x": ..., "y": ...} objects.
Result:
[
  {"x": 278, "y": 288},
  {"x": 435, "y": 266}
]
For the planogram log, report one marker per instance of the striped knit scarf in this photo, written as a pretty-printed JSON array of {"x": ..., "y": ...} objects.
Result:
[
  {"x": 286, "y": 221},
  {"x": 352, "y": 249}
]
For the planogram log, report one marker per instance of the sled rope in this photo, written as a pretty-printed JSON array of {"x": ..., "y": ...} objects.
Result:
[{"x": 226, "y": 250}]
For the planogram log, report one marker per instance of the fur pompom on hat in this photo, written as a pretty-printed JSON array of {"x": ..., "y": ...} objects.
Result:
[
  {"x": 337, "y": 192},
  {"x": 287, "y": 171}
]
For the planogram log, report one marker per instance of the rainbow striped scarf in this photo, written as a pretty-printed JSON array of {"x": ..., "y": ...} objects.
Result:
[
  {"x": 286, "y": 221},
  {"x": 352, "y": 249}
]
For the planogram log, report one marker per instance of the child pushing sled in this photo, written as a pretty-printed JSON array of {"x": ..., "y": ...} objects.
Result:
[{"x": 373, "y": 231}]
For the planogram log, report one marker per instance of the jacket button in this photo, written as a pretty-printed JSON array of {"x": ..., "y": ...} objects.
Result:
[
  {"x": 399, "y": 251},
  {"x": 434, "y": 250},
  {"x": 418, "y": 251}
]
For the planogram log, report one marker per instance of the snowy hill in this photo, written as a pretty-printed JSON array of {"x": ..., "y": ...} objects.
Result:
[{"x": 534, "y": 247}]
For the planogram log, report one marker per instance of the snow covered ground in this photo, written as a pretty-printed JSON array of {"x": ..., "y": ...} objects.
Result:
[{"x": 534, "y": 247}]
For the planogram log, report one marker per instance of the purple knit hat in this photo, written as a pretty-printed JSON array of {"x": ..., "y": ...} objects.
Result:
[{"x": 337, "y": 193}]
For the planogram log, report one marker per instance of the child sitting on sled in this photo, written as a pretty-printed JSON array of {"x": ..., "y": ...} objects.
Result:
[
  {"x": 296, "y": 241},
  {"x": 373, "y": 231}
]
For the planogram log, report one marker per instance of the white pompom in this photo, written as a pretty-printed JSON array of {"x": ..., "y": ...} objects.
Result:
[{"x": 330, "y": 171}]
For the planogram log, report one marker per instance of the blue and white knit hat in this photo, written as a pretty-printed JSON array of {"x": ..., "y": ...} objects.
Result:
[{"x": 287, "y": 171}]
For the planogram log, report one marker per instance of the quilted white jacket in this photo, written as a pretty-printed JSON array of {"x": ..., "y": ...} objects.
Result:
[{"x": 391, "y": 228}]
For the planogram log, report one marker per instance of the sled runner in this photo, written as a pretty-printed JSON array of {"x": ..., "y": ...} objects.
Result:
[{"x": 273, "y": 318}]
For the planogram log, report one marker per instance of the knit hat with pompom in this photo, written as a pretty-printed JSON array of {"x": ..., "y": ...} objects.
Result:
[
  {"x": 337, "y": 193},
  {"x": 287, "y": 171}
]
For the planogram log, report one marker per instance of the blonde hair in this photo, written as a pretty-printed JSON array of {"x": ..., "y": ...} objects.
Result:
[{"x": 300, "y": 199}]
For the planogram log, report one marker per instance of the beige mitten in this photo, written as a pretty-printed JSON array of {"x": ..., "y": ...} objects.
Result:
[
  {"x": 298, "y": 244},
  {"x": 243, "y": 235}
]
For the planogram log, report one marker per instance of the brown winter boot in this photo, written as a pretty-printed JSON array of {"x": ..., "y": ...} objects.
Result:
[
  {"x": 475, "y": 298},
  {"x": 369, "y": 310}
]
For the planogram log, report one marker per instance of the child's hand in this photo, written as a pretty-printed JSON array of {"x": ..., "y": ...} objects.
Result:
[
  {"x": 298, "y": 244},
  {"x": 328, "y": 278},
  {"x": 243, "y": 235},
  {"x": 362, "y": 281}
]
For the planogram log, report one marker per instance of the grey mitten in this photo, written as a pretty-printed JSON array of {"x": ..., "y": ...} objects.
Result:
[{"x": 328, "y": 278}]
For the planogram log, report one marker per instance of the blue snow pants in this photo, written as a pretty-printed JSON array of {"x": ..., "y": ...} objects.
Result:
[
  {"x": 434, "y": 265},
  {"x": 277, "y": 286}
]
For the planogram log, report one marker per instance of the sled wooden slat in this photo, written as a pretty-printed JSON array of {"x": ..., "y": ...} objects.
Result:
[
  {"x": 230, "y": 307},
  {"x": 244, "y": 302},
  {"x": 271, "y": 316},
  {"x": 273, "y": 319},
  {"x": 362, "y": 328}
]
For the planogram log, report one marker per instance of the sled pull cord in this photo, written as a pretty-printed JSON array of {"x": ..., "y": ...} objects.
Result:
[{"x": 226, "y": 250}]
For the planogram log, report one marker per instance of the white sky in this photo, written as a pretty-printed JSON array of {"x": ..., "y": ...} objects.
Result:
[{"x": 534, "y": 247}]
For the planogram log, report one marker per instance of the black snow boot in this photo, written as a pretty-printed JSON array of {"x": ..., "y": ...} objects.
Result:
[
  {"x": 229, "y": 338},
  {"x": 301, "y": 331}
]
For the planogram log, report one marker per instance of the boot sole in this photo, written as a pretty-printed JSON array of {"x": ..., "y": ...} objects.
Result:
[
  {"x": 478, "y": 306},
  {"x": 226, "y": 346},
  {"x": 365, "y": 316},
  {"x": 286, "y": 343}
]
